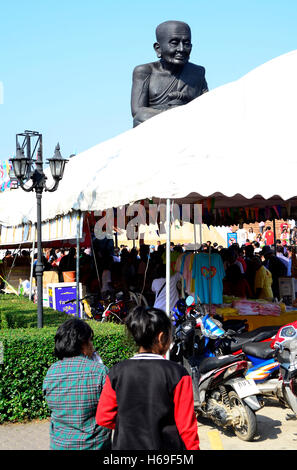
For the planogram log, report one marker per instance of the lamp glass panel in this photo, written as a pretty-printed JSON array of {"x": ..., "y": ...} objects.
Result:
[
  {"x": 56, "y": 166},
  {"x": 20, "y": 166}
]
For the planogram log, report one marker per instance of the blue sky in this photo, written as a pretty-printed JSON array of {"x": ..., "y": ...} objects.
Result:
[{"x": 66, "y": 66}]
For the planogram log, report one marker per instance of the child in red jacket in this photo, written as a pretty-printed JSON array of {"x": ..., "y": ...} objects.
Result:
[{"x": 147, "y": 399}]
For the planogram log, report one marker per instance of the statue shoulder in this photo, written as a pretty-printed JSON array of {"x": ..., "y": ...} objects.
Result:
[
  {"x": 197, "y": 69},
  {"x": 143, "y": 70}
]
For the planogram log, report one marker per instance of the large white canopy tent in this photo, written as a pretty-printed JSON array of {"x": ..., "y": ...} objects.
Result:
[{"x": 237, "y": 143}]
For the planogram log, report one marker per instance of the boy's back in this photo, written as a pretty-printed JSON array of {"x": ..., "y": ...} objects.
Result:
[{"x": 144, "y": 400}]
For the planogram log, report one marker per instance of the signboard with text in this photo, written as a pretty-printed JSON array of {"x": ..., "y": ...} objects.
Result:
[{"x": 231, "y": 238}]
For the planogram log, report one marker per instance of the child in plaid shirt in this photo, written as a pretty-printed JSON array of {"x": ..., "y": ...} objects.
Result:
[{"x": 72, "y": 388}]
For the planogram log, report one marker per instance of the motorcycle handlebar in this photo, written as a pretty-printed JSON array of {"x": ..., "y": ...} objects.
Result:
[{"x": 229, "y": 335}]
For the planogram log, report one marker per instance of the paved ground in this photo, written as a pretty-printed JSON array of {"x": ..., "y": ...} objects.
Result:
[{"x": 275, "y": 432}]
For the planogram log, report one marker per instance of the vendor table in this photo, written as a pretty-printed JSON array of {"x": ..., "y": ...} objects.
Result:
[{"x": 256, "y": 321}]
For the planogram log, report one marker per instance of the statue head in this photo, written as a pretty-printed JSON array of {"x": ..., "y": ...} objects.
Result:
[{"x": 173, "y": 42}]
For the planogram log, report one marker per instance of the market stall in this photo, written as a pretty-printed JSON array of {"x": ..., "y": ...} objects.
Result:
[
  {"x": 256, "y": 313},
  {"x": 203, "y": 156}
]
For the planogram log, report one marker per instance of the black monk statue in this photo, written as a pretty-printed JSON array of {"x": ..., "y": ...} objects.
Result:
[{"x": 172, "y": 80}]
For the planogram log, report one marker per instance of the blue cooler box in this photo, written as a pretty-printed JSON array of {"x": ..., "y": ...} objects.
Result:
[{"x": 60, "y": 293}]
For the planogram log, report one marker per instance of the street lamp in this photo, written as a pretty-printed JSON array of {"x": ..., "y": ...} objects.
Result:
[{"x": 27, "y": 168}]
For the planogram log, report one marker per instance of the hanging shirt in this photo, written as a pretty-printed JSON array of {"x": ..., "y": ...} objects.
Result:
[
  {"x": 180, "y": 268},
  {"x": 241, "y": 236},
  {"x": 207, "y": 276}
]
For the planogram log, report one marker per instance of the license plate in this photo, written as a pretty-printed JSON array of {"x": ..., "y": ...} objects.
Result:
[{"x": 245, "y": 388}]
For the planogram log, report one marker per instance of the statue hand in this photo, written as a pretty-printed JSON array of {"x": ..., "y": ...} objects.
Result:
[{"x": 177, "y": 95}]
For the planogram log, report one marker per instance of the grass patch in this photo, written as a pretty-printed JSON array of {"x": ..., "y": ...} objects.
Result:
[{"x": 20, "y": 312}]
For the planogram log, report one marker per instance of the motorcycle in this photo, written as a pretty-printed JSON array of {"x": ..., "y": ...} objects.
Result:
[
  {"x": 119, "y": 305},
  {"x": 220, "y": 389},
  {"x": 268, "y": 363},
  {"x": 259, "y": 335},
  {"x": 273, "y": 366},
  {"x": 116, "y": 310},
  {"x": 113, "y": 307}
]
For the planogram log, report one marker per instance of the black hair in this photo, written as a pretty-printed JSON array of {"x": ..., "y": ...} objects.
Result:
[
  {"x": 249, "y": 250},
  {"x": 144, "y": 324},
  {"x": 71, "y": 336},
  {"x": 233, "y": 273},
  {"x": 161, "y": 271}
]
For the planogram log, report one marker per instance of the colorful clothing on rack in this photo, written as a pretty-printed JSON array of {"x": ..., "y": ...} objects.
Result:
[
  {"x": 200, "y": 277},
  {"x": 183, "y": 266}
]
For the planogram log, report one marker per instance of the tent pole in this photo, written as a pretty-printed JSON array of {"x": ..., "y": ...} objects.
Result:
[
  {"x": 77, "y": 263},
  {"x": 167, "y": 261},
  {"x": 209, "y": 279},
  {"x": 274, "y": 235}
]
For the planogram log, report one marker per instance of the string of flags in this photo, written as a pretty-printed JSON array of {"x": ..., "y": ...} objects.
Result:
[
  {"x": 5, "y": 182},
  {"x": 234, "y": 215},
  {"x": 203, "y": 211}
]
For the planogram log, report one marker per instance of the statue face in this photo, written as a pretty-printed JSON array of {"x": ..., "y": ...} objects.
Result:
[{"x": 174, "y": 44}]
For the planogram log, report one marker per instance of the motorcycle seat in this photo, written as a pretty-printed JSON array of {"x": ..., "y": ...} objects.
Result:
[
  {"x": 259, "y": 350},
  {"x": 211, "y": 363},
  {"x": 240, "y": 341},
  {"x": 263, "y": 332},
  {"x": 260, "y": 334}
]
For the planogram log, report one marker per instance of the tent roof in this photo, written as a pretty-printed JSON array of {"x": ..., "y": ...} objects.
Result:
[{"x": 236, "y": 142}]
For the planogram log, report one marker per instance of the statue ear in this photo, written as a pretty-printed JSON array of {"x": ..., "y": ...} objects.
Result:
[{"x": 157, "y": 49}]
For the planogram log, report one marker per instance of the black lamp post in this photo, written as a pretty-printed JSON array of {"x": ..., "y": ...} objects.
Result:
[{"x": 26, "y": 168}]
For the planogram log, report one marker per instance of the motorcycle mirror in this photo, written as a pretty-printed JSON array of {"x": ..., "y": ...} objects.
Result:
[{"x": 190, "y": 300}]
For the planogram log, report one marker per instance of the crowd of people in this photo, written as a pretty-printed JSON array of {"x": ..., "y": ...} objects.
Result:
[
  {"x": 252, "y": 266},
  {"x": 265, "y": 236}
]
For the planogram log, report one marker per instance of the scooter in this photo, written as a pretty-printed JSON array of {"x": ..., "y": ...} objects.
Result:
[
  {"x": 273, "y": 366},
  {"x": 268, "y": 363},
  {"x": 222, "y": 343},
  {"x": 220, "y": 389}
]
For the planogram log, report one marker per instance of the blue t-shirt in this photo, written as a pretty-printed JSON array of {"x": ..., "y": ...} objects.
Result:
[{"x": 202, "y": 272}]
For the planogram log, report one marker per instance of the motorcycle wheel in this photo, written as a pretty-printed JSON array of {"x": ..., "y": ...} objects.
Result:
[
  {"x": 290, "y": 397},
  {"x": 247, "y": 428}
]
